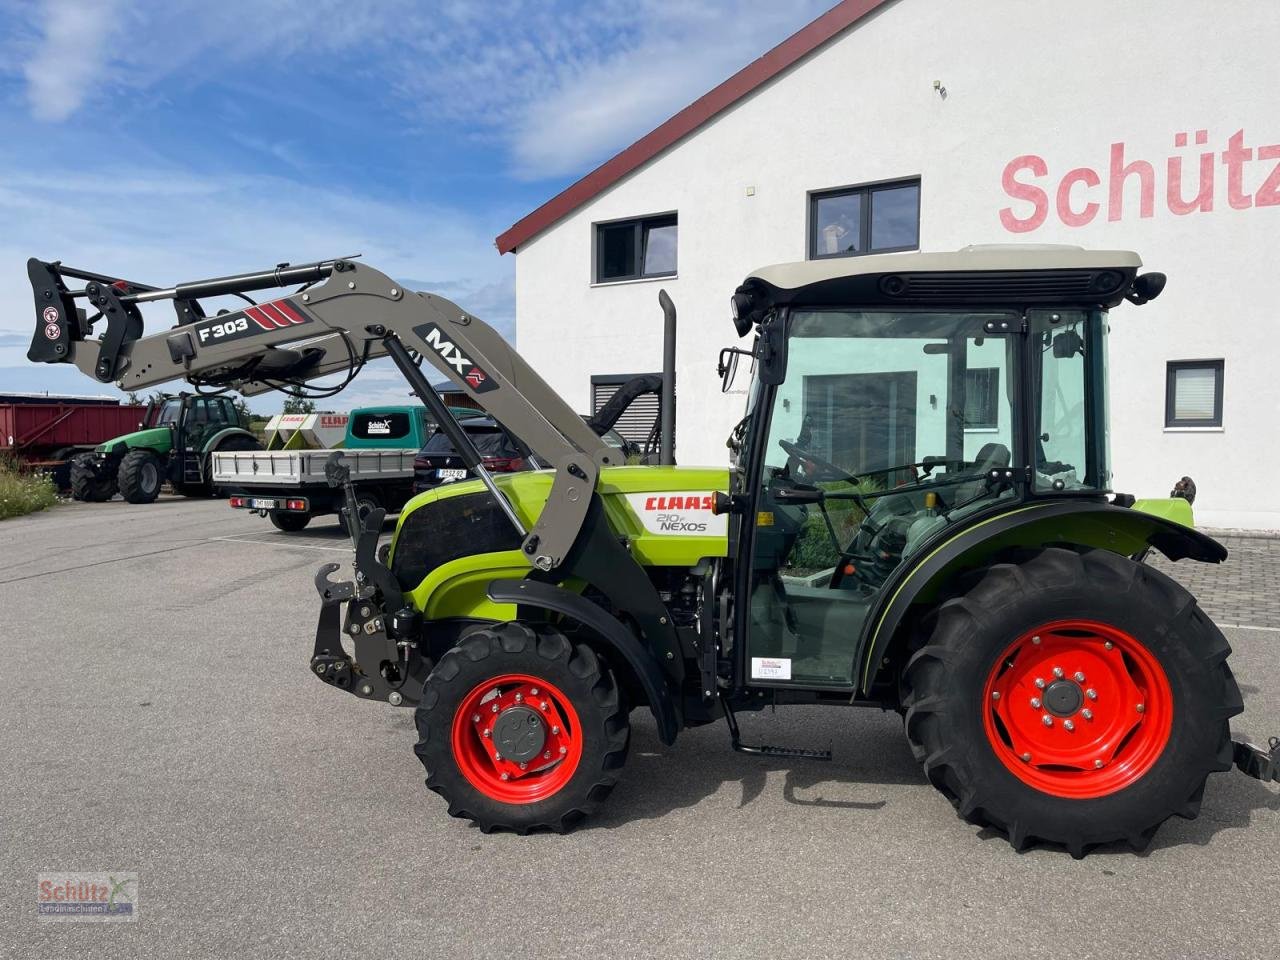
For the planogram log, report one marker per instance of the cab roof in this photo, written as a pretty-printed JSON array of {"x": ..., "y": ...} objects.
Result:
[{"x": 992, "y": 274}]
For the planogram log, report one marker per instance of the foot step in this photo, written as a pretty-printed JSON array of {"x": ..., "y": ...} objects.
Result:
[{"x": 789, "y": 753}]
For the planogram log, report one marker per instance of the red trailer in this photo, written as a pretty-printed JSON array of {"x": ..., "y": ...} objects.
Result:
[{"x": 47, "y": 431}]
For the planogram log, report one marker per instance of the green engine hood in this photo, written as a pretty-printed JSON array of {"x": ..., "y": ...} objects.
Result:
[{"x": 159, "y": 439}]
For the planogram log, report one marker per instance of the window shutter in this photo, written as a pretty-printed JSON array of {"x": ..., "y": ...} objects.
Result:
[
  {"x": 637, "y": 423},
  {"x": 1194, "y": 389}
]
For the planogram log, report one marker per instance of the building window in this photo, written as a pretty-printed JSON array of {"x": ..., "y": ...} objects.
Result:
[
  {"x": 641, "y": 422},
  {"x": 873, "y": 219},
  {"x": 1193, "y": 394},
  {"x": 982, "y": 398},
  {"x": 636, "y": 249}
]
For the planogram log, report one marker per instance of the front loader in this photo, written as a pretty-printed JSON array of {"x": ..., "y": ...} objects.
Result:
[{"x": 918, "y": 517}]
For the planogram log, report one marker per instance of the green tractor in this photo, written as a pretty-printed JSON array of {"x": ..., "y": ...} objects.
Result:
[
  {"x": 918, "y": 517},
  {"x": 175, "y": 441}
]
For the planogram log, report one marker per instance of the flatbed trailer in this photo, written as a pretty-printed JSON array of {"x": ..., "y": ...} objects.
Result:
[{"x": 291, "y": 488}]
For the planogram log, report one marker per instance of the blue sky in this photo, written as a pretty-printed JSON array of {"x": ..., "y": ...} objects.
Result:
[{"x": 168, "y": 140}]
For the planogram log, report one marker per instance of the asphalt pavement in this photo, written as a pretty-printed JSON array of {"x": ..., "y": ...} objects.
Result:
[{"x": 158, "y": 717}]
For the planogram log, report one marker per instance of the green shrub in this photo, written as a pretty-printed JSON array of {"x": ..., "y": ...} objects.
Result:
[
  {"x": 814, "y": 550},
  {"x": 22, "y": 492}
]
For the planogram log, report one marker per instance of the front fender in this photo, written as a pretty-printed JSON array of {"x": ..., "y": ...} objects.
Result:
[
  {"x": 1086, "y": 523},
  {"x": 648, "y": 671}
]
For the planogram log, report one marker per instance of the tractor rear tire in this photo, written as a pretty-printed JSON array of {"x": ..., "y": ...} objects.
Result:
[
  {"x": 140, "y": 476},
  {"x": 289, "y": 522},
  {"x": 487, "y": 689},
  {"x": 87, "y": 484},
  {"x": 1075, "y": 698}
]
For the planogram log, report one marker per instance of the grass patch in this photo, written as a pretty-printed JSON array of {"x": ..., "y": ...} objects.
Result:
[{"x": 22, "y": 492}]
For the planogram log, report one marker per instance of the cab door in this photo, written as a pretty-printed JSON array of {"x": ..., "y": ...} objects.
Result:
[{"x": 882, "y": 433}]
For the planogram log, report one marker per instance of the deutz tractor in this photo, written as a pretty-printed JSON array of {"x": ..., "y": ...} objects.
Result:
[
  {"x": 918, "y": 516},
  {"x": 177, "y": 435}
]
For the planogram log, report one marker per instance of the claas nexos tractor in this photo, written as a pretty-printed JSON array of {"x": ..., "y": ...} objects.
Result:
[{"x": 918, "y": 517}]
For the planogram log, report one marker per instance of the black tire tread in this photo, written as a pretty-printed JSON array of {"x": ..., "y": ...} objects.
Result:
[
  {"x": 433, "y": 719},
  {"x": 128, "y": 476},
  {"x": 87, "y": 485},
  {"x": 928, "y": 692}
]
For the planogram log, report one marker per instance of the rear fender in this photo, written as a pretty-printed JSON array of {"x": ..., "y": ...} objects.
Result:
[
  {"x": 646, "y": 667},
  {"x": 1080, "y": 523},
  {"x": 215, "y": 441}
]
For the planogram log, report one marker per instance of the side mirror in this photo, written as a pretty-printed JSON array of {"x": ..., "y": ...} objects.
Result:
[{"x": 1146, "y": 288}]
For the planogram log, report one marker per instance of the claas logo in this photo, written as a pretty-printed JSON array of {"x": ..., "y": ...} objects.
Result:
[{"x": 689, "y": 501}]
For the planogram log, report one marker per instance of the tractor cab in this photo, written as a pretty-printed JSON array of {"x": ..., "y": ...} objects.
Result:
[{"x": 899, "y": 399}]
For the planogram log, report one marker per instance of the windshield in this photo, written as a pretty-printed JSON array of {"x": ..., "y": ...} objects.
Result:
[{"x": 169, "y": 412}]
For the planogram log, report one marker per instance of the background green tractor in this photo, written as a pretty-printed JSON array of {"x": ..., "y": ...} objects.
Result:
[{"x": 174, "y": 442}]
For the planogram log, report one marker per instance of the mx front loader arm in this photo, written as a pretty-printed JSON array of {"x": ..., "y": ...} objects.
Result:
[{"x": 346, "y": 314}]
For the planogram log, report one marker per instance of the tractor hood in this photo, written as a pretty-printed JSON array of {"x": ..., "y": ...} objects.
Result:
[
  {"x": 663, "y": 512},
  {"x": 158, "y": 439}
]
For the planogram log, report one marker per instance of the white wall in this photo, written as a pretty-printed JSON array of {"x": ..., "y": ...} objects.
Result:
[{"x": 1043, "y": 79}]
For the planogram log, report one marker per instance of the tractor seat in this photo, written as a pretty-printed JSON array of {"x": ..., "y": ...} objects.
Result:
[{"x": 992, "y": 456}]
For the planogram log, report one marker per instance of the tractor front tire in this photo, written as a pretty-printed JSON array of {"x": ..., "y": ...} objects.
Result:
[
  {"x": 521, "y": 729},
  {"x": 88, "y": 484},
  {"x": 140, "y": 476},
  {"x": 1075, "y": 698}
]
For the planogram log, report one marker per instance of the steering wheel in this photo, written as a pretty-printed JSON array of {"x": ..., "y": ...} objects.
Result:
[{"x": 829, "y": 471}]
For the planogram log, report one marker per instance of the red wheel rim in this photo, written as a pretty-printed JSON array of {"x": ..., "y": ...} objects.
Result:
[
  {"x": 1077, "y": 709},
  {"x": 541, "y": 714}
]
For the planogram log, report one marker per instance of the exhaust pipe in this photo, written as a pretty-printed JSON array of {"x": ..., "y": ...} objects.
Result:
[{"x": 667, "y": 447}]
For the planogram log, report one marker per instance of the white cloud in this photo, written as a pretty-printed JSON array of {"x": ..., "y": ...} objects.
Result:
[
  {"x": 70, "y": 56},
  {"x": 558, "y": 85}
]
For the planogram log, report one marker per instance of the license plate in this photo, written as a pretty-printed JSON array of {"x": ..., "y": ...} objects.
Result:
[
  {"x": 451, "y": 474},
  {"x": 258, "y": 503}
]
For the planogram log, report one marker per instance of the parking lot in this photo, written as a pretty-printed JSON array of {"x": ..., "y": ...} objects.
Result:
[{"x": 159, "y": 717}]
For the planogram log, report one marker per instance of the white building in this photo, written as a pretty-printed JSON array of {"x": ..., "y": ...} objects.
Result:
[{"x": 904, "y": 124}]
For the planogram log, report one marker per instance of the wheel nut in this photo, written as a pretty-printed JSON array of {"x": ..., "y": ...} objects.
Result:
[
  {"x": 524, "y": 766},
  {"x": 995, "y": 694},
  {"x": 1039, "y": 683},
  {"x": 519, "y": 697},
  {"x": 506, "y": 776},
  {"x": 1091, "y": 693},
  {"x": 1047, "y": 720},
  {"x": 547, "y": 755},
  {"x": 486, "y": 732},
  {"x": 495, "y": 708},
  {"x": 475, "y": 718},
  {"x": 1078, "y": 677},
  {"x": 564, "y": 749},
  {"x": 542, "y": 705},
  {"x": 533, "y": 692},
  {"x": 1026, "y": 757},
  {"x": 1069, "y": 725},
  {"x": 1087, "y": 713},
  {"x": 1057, "y": 672},
  {"x": 1035, "y": 639},
  {"x": 497, "y": 756},
  {"x": 1109, "y": 645},
  {"x": 1035, "y": 703},
  {"x": 1097, "y": 764},
  {"x": 555, "y": 730},
  {"x": 1142, "y": 708}
]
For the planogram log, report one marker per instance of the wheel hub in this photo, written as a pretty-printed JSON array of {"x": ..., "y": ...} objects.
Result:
[
  {"x": 1063, "y": 698},
  {"x": 517, "y": 738},
  {"x": 1078, "y": 709},
  {"x": 519, "y": 734}
]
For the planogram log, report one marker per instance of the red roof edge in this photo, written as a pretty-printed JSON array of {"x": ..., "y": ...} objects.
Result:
[{"x": 757, "y": 73}]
